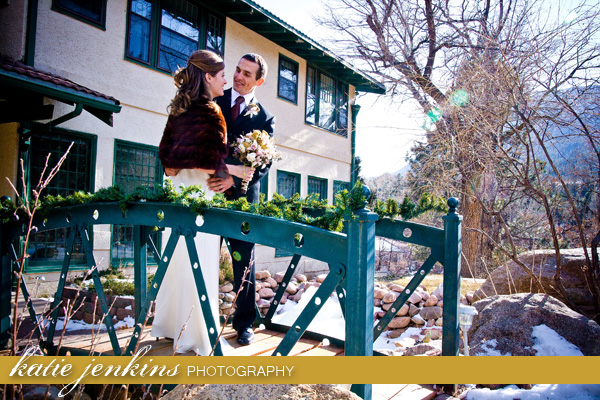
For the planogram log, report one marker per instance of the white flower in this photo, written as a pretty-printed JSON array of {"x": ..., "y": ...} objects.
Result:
[
  {"x": 251, "y": 157},
  {"x": 242, "y": 148},
  {"x": 252, "y": 110}
]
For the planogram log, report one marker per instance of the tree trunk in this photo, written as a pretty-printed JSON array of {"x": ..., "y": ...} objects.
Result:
[{"x": 472, "y": 241}]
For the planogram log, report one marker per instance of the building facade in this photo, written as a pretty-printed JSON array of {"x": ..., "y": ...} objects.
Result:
[{"x": 128, "y": 50}]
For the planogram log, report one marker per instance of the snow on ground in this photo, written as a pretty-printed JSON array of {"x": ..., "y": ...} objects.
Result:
[
  {"x": 538, "y": 392},
  {"x": 547, "y": 342},
  {"x": 74, "y": 325}
]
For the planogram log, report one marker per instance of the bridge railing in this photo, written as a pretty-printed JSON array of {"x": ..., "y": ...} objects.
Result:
[{"x": 350, "y": 257}]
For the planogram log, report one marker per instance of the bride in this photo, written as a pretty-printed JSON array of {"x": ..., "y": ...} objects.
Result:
[{"x": 193, "y": 146}]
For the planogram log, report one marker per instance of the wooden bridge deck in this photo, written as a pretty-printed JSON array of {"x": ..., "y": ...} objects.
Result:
[{"x": 265, "y": 342}]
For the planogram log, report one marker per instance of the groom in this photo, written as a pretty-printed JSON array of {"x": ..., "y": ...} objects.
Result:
[{"x": 243, "y": 113}]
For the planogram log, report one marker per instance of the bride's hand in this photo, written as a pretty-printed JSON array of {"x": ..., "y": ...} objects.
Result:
[{"x": 241, "y": 171}]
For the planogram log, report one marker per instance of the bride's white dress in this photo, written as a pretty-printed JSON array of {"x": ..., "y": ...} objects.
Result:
[{"x": 177, "y": 299}]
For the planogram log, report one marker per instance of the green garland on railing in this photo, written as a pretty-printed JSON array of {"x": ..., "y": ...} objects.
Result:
[{"x": 310, "y": 210}]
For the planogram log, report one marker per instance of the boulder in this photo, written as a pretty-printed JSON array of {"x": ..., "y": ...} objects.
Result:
[
  {"x": 272, "y": 282},
  {"x": 262, "y": 275},
  {"x": 225, "y": 288},
  {"x": 291, "y": 288},
  {"x": 245, "y": 392},
  {"x": 300, "y": 278},
  {"x": 433, "y": 348},
  {"x": 390, "y": 297},
  {"x": 266, "y": 293},
  {"x": 543, "y": 265},
  {"x": 431, "y": 301},
  {"x": 510, "y": 319},
  {"x": 399, "y": 322},
  {"x": 380, "y": 293},
  {"x": 431, "y": 312},
  {"x": 279, "y": 276}
]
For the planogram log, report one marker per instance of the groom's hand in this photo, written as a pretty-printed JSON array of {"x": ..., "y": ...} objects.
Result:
[{"x": 220, "y": 185}]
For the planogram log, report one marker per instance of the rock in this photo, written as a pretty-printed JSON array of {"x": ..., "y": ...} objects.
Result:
[
  {"x": 279, "y": 276},
  {"x": 258, "y": 286},
  {"x": 386, "y": 306},
  {"x": 431, "y": 301},
  {"x": 439, "y": 291},
  {"x": 413, "y": 310},
  {"x": 430, "y": 323},
  {"x": 435, "y": 334},
  {"x": 377, "y": 302},
  {"x": 321, "y": 278},
  {"x": 380, "y": 293},
  {"x": 510, "y": 319},
  {"x": 298, "y": 295},
  {"x": 418, "y": 320},
  {"x": 440, "y": 303},
  {"x": 399, "y": 322},
  {"x": 225, "y": 288},
  {"x": 265, "y": 284},
  {"x": 283, "y": 300},
  {"x": 262, "y": 303},
  {"x": 395, "y": 333},
  {"x": 396, "y": 288},
  {"x": 439, "y": 322},
  {"x": 272, "y": 282},
  {"x": 469, "y": 296},
  {"x": 226, "y": 305},
  {"x": 390, "y": 297},
  {"x": 300, "y": 278},
  {"x": 424, "y": 295},
  {"x": 414, "y": 298},
  {"x": 266, "y": 293},
  {"x": 379, "y": 314},
  {"x": 229, "y": 297},
  {"x": 431, "y": 312},
  {"x": 259, "y": 275},
  {"x": 221, "y": 295},
  {"x": 245, "y": 392},
  {"x": 256, "y": 296},
  {"x": 403, "y": 310},
  {"x": 429, "y": 349},
  {"x": 291, "y": 288},
  {"x": 543, "y": 265}
]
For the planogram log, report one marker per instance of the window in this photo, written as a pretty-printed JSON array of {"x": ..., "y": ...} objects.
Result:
[
  {"x": 338, "y": 186},
  {"x": 90, "y": 11},
  {"x": 47, "y": 249},
  {"x": 326, "y": 102},
  {"x": 135, "y": 165},
  {"x": 163, "y": 33},
  {"x": 287, "y": 87},
  {"x": 317, "y": 186},
  {"x": 288, "y": 183}
]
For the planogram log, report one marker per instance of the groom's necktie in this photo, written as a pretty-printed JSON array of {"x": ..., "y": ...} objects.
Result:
[{"x": 235, "y": 110}]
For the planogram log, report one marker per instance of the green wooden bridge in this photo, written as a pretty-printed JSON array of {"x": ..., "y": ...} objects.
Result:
[{"x": 350, "y": 256}]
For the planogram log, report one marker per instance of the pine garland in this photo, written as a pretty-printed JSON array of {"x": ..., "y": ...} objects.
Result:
[{"x": 310, "y": 210}]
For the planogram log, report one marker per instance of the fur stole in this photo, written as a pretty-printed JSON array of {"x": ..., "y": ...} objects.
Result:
[{"x": 195, "y": 139}]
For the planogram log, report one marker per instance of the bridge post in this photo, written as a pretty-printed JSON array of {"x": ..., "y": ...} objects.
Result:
[
  {"x": 360, "y": 284},
  {"x": 452, "y": 250},
  {"x": 140, "y": 267}
]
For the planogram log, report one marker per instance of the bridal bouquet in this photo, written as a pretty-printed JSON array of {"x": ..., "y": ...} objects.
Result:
[{"x": 255, "y": 149}]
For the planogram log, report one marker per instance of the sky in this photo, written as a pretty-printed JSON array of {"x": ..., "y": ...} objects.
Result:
[{"x": 384, "y": 132}]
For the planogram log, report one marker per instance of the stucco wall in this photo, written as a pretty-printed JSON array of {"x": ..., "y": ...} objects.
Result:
[
  {"x": 12, "y": 27},
  {"x": 95, "y": 58}
]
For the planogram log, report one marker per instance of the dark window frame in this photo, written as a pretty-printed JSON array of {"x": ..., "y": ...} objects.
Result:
[
  {"x": 283, "y": 58},
  {"x": 157, "y": 181},
  {"x": 204, "y": 24},
  {"x": 78, "y": 261},
  {"x": 101, "y": 23},
  {"x": 338, "y": 186},
  {"x": 340, "y": 101},
  {"x": 297, "y": 176},
  {"x": 324, "y": 190}
]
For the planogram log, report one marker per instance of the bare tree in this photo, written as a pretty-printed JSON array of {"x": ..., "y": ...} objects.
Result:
[{"x": 472, "y": 66}]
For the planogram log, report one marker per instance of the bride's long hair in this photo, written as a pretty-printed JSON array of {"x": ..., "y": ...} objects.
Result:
[{"x": 190, "y": 81}]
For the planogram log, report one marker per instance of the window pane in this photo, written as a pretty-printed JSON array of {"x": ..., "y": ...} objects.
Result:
[
  {"x": 134, "y": 166},
  {"x": 48, "y": 248},
  {"x": 139, "y": 30},
  {"x": 342, "y": 123},
  {"x": 288, "y": 78},
  {"x": 214, "y": 34},
  {"x": 92, "y": 10},
  {"x": 327, "y": 103},
  {"x": 287, "y": 184},
  {"x": 318, "y": 186},
  {"x": 178, "y": 39},
  {"x": 310, "y": 96}
]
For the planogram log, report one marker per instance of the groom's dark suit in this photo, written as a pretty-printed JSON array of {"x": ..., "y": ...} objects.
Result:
[{"x": 264, "y": 120}]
